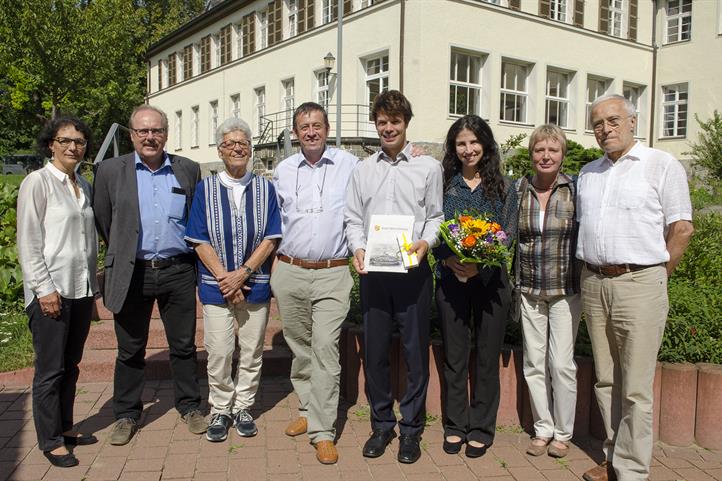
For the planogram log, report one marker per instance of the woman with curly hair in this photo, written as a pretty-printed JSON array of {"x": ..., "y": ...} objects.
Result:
[
  {"x": 473, "y": 301},
  {"x": 57, "y": 248}
]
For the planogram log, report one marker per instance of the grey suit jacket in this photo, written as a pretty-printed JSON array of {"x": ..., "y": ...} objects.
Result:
[{"x": 115, "y": 202}]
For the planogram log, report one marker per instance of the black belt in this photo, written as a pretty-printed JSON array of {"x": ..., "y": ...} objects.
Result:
[
  {"x": 614, "y": 270},
  {"x": 159, "y": 263}
]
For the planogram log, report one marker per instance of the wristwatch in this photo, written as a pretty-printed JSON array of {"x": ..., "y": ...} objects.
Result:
[{"x": 248, "y": 270}]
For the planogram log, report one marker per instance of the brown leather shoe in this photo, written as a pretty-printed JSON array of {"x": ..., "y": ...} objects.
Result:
[
  {"x": 326, "y": 452},
  {"x": 603, "y": 472},
  {"x": 297, "y": 426}
]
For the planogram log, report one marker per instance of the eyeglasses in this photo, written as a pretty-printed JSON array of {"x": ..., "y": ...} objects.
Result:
[
  {"x": 147, "y": 132},
  {"x": 612, "y": 122},
  {"x": 231, "y": 144},
  {"x": 66, "y": 141}
]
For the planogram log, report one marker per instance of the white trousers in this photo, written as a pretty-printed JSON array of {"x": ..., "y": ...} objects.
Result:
[
  {"x": 549, "y": 326},
  {"x": 224, "y": 395}
]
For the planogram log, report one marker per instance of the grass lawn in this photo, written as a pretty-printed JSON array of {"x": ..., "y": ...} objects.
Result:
[{"x": 16, "y": 346}]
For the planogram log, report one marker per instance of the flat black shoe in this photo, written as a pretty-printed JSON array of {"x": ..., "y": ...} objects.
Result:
[
  {"x": 453, "y": 448},
  {"x": 475, "y": 452},
  {"x": 376, "y": 444},
  {"x": 82, "y": 440},
  {"x": 409, "y": 449},
  {"x": 61, "y": 460}
]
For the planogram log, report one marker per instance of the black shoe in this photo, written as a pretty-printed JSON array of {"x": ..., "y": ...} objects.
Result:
[
  {"x": 409, "y": 449},
  {"x": 61, "y": 460},
  {"x": 82, "y": 440},
  {"x": 474, "y": 451},
  {"x": 376, "y": 444},
  {"x": 218, "y": 427},
  {"x": 452, "y": 448}
]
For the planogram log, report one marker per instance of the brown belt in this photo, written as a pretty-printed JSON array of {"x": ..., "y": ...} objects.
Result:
[
  {"x": 614, "y": 270},
  {"x": 313, "y": 264}
]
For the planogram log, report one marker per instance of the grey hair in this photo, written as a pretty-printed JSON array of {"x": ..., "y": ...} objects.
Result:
[
  {"x": 628, "y": 105},
  {"x": 141, "y": 108},
  {"x": 233, "y": 124}
]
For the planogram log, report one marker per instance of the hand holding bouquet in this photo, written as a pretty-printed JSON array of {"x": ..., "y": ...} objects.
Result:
[{"x": 474, "y": 238}]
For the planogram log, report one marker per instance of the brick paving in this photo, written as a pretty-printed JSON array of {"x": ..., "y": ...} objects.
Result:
[{"x": 165, "y": 450}]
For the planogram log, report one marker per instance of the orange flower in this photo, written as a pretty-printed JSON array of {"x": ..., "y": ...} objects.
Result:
[
  {"x": 464, "y": 218},
  {"x": 495, "y": 227},
  {"x": 469, "y": 241}
]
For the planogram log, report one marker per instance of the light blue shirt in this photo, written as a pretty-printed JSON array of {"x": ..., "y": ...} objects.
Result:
[
  {"x": 163, "y": 216},
  {"x": 312, "y": 200}
]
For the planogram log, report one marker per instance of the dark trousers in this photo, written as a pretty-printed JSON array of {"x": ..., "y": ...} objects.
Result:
[
  {"x": 485, "y": 298},
  {"x": 58, "y": 344},
  {"x": 406, "y": 298},
  {"x": 174, "y": 288}
]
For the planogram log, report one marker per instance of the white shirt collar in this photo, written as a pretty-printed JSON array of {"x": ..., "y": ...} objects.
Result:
[{"x": 59, "y": 174}]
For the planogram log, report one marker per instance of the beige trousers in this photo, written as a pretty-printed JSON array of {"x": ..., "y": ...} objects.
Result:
[
  {"x": 313, "y": 304},
  {"x": 224, "y": 395},
  {"x": 626, "y": 317},
  {"x": 549, "y": 325}
]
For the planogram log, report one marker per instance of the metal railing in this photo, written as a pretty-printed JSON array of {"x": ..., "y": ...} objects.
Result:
[{"x": 355, "y": 123}]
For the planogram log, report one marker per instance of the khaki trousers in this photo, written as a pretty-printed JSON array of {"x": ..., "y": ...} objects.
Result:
[
  {"x": 626, "y": 315},
  {"x": 549, "y": 325},
  {"x": 225, "y": 396},
  {"x": 313, "y": 304}
]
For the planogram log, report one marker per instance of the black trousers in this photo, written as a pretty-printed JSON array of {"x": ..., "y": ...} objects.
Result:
[
  {"x": 478, "y": 309},
  {"x": 406, "y": 298},
  {"x": 174, "y": 287},
  {"x": 58, "y": 344}
]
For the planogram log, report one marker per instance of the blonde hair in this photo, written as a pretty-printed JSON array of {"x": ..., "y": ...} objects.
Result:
[{"x": 546, "y": 132}]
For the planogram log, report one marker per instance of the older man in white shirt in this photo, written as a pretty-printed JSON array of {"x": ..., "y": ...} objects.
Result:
[
  {"x": 311, "y": 279},
  {"x": 634, "y": 217}
]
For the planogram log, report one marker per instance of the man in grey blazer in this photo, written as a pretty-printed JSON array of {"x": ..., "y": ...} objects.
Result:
[{"x": 141, "y": 202}]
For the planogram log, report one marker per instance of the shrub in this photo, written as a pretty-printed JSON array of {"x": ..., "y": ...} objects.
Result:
[
  {"x": 11, "y": 283},
  {"x": 707, "y": 151},
  {"x": 577, "y": 156}
]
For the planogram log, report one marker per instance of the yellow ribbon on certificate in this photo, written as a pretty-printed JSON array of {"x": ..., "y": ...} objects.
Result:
[{"x": 409, "y": 260}]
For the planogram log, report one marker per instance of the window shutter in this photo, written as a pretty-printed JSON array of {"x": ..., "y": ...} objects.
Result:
[
  {"x": 275, "y": 31},
  {"x": 347, "y": 7},
  {"x": 633, "y": 19},
  {"x": 249, "y": 34},
  {"x": 334, "y": 10},
  {"x": 604, "y": 16},
  {"x": 579, "y": 13},
  {"x": 515, "y": 4},
  {"x": 305, "y": 15},
  {"x": 544, "y": 8}
]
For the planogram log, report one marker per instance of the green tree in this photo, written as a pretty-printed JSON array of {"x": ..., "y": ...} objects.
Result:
[{"x": 707, "y": 150}]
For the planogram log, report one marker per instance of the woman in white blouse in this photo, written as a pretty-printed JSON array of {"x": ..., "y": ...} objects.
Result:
[{"x": 57, "y": 248}]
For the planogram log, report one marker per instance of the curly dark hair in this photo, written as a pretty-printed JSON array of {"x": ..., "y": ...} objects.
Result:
[
  {"x": 50, "y": 130},
  {"x": 392, "y": 102},
  {"x": 489, "y": 166}
]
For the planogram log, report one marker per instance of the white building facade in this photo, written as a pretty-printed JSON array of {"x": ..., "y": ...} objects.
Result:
[{"x": 516, "y": 63}]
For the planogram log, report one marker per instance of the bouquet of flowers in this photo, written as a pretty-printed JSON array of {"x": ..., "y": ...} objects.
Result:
[{"x": 474, "y": 238}]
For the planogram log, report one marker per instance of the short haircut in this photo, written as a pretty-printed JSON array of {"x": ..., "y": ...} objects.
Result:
[
  {"x": 50, "y": 131},
  {"x": 233, "y": 124},
  {"x": 306, "y": 108},
  {"x": 628, "y": 105},
  {"x": 392, "y": 102},
  {"x": 548, "y": 132},
  {"x": 141, "y": 108}
]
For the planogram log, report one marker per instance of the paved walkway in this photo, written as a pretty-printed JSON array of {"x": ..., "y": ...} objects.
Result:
[{"x": 164, "y": 449}]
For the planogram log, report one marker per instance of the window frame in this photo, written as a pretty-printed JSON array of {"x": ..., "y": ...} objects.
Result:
[
  {"x": 235, "y": 105},
  {"x": 195, "y": 125},
  {"x": 260, "y": 107},
  {"x": 681, "y": 88},
  {"x": 559, "y": 9},
  {"x": 212, "y": 121},
  {"x": 455, "y": 84},
  {"x": 178, "y": 130},
  {"x": 523, "y": 95},
  {"x": 680, "y": 17},
  {"x": 285, "y": 98},
  {"x": 588, "y": 100},
  {"x": 566, "y": 78},
  {"x": 622, "y": 12},
  {"x": 638, "y": 104},
  {"x": 382, "y": 76}
]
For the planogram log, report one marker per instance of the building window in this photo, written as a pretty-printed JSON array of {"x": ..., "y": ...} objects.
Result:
[
  {"x": 329, "y": 11},
  {"x": 292, "y": 18},
  {"x": 248, "y": 29},
  {"x": 557, "y": 98},
  {"x": 366, "y": 3},
  {"x": 225, "y": 47},
  {"x": 633, "y": 93},
  {"x": 377, "y": 77},
  {"x": 194, "y": 126},
  {"x": 171, "y": 70},
  {"x": 187, "y": 62},
  {"x": 596, "y": 87},
  {"x": 263, "y": 29},
  {"x": 322, "y": 92},
  {"x": 558, "y": 10},
  {"x": 616, "y": 18},
  {"x": 679, "y": 20},
  {"x": 288, "y": 101},
  {"x": 514, "y": 92},
  {"x": 260, "y": 108},
  {"x": 465, "y": 83},
  {"x": 205, "y": 54},
  {"x": 178, "y": 130},
  {"x": 160, "y": 74},
  {"x": 213, "y": 124},
  {"x": 236, "y": 105},
  {"x": 674, "y": 110}
]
